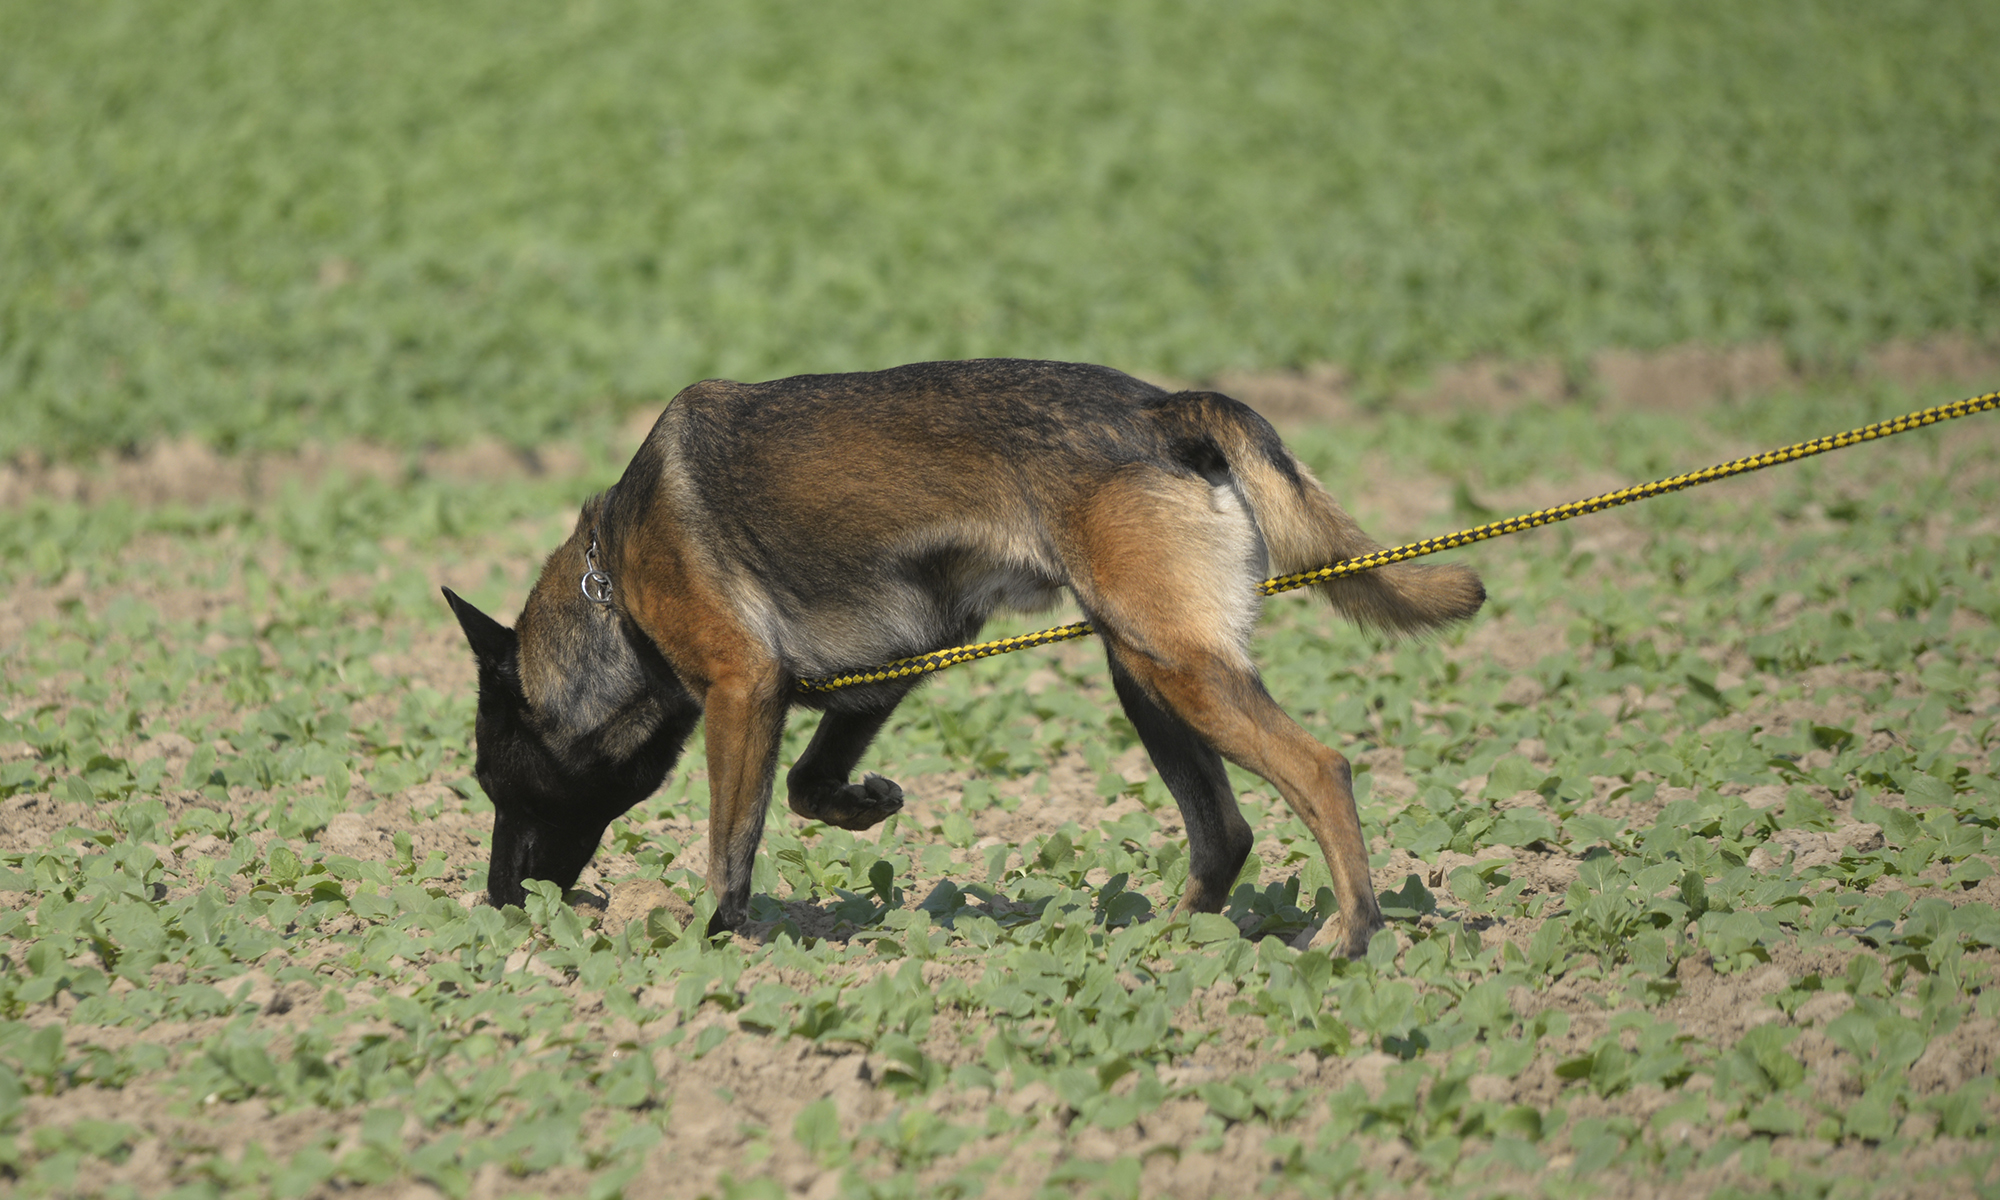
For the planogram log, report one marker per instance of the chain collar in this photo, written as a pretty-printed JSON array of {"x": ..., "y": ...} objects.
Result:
[{"x": 596, "y": 584}]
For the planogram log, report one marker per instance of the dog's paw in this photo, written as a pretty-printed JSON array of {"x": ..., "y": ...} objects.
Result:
[
  {"x": 854, "y": 806},
  {"x": 724, "y": 922},
  {"x": 1342, "y": 937}
]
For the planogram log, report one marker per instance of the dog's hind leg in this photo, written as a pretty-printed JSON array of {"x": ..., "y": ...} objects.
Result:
[
  {"x": 1225, "y": 705},
  {"x": 1219, "y": 839},
  {"x": 1166, "y": 567},
  {"x": 818, "y": 784}
]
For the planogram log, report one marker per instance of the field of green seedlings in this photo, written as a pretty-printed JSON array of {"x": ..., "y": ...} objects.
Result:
[
  {"x": 260, "y": 224},
  {"x": 1686, "y": 840},
  {"x": 1686, "y": 843}
]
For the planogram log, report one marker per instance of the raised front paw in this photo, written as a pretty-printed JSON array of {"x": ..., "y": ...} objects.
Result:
[{"x": 852, "y": 806}]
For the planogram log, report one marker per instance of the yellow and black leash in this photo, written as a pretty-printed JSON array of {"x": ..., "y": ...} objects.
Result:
[{"x": 924, "y": 664}]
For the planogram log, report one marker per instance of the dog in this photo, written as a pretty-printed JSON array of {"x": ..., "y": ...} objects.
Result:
[{"x": 772, "y": 532}]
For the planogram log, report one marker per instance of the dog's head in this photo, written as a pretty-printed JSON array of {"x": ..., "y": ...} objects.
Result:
[
  {"x": 511, "y": 761},
  {"x": 562, "y": 769}
]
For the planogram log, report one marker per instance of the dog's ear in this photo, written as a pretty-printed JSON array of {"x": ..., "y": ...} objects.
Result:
[{"x": 493, "y": 644}]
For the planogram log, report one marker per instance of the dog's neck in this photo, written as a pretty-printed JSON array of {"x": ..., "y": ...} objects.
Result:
[{"x": 585, "y": 682}]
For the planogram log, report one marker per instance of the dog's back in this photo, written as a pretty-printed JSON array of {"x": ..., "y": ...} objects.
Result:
[{"x": 928, "y": 495}]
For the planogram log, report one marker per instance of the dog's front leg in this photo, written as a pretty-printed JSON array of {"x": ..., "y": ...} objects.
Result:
[
  {"x": 817, "y": 783},
  {"x": 746, "y": 721}
]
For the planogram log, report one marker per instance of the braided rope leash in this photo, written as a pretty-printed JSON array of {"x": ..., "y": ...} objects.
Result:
[{"x": 924, "y": 664}]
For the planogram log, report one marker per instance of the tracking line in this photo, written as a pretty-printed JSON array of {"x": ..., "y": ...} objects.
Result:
[{"x": 937, "y": 660}]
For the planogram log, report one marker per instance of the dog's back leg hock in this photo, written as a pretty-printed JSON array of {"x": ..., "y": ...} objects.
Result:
[
  {"x": 745, "y": 717},
  {"x": 1219, "y": 839},
  {"x": 1229, "y": 708}
]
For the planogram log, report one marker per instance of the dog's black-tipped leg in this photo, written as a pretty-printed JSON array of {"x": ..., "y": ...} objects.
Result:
[
  {"x": 862, "y": 805},
  {"x": 818, "y": 786}
]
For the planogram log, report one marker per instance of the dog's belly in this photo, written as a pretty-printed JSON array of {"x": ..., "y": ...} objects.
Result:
[
  {"x": 1017, "y": 590},
  {"x": 926, "y": 593}
]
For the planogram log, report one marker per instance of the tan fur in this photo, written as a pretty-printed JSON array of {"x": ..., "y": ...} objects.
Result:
[
  {"x": 1158, "y": 562},
  {"x": 1306, "y": 529}
]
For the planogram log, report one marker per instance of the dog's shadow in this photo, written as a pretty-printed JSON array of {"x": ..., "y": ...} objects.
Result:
[{"x": 846, "y": 919}]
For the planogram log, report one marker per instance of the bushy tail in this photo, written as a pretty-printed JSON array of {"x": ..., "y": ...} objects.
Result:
[{"x": 1304, "y": 527}]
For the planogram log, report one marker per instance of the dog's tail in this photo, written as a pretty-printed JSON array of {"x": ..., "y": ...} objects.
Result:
[{"x": 1304, "y": 527}]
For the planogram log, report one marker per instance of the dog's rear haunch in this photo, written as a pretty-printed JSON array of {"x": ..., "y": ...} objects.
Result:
[{"x": 770, "y": 532}]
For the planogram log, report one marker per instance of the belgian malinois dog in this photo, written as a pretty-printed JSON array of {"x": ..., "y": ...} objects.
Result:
[{"x": 772, "y": 532}]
